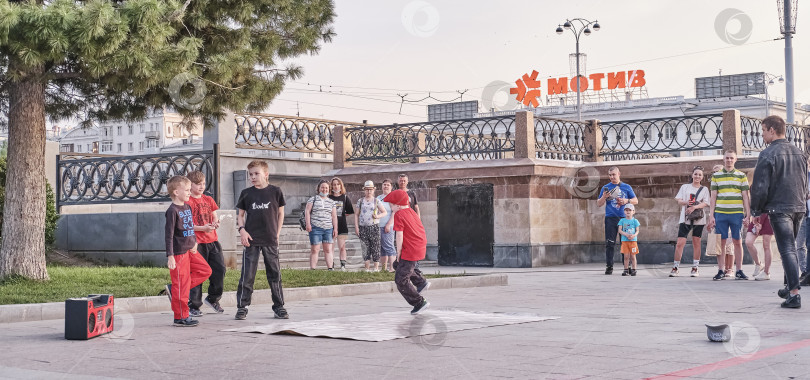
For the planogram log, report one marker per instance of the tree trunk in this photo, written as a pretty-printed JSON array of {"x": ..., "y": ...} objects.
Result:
[{"x": 23, "y": 247}]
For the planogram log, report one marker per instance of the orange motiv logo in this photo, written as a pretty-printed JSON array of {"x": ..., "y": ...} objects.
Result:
[{"x": 528, "y": 87}]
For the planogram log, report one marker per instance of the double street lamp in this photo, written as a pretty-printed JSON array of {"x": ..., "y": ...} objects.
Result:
[
  {"x": 584, "y": 27},
  {"x": 767, "y": 80}
]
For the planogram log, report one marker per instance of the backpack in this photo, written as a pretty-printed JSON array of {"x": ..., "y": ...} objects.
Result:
[{"x": 302, "y": 219}]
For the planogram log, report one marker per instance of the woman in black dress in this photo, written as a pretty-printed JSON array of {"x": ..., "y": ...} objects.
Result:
[{"x": 344, "y": 207}]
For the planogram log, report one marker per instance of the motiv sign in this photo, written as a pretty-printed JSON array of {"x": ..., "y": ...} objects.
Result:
[{"x": 528, "y": 87}]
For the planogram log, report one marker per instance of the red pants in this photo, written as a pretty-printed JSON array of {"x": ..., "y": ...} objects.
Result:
[{"x": 191, "y": 270}]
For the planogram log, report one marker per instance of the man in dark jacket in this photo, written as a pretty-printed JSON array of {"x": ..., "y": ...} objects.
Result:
[{"x": 780, "y": 189}]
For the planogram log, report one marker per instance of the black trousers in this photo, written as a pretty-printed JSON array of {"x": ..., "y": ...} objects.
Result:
[
  {"x": 250, "y": 264},
  {"x": 408, "y": 278},
  {"x": 212, "y": 253},
  {"x": 611, "y": 231}
]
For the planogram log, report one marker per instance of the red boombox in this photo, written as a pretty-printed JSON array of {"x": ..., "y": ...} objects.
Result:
[{"x": 88, "y": 317}]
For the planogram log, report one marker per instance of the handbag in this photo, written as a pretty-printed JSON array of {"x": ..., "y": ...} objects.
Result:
[{"x": 696, "y": 214}]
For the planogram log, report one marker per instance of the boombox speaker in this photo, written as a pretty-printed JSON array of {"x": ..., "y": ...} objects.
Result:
[{"x": 88, "y": 317}]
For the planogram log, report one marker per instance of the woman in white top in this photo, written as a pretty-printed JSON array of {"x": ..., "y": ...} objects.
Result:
[
  {"x": 321, "y": 216},
  {"x": 367, "y": 225},
  {"x": 691, "y": 197}
]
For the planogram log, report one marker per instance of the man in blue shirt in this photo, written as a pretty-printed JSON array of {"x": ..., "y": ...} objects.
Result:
[{"x": 614, "y": 196}]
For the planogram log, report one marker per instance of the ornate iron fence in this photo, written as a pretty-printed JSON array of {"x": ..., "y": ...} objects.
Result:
[
  {"x": 798, "y": 135},
  {"x": 277, "y": 132},
  {"x": 561, "y": 139},
  {"x": 663, "y": 135},
  {"x": 465, "y": 139},
  {"x": 128, "y": 179}
]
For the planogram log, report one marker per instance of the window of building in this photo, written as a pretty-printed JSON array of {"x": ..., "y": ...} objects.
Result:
[
  {"x": 140, "y": 146},
  {"x": 106, "y": 147},
  {"x": 169, "y": 130},
  {"x": 119, "y": 130},
  {"x": 89, "y": 149},
  {"x": 141, "y": 128},
  {"x": 129, "y": 147},
  {"x": 119, "y": 145},
  {"x": 670, "y": 132},
  {"x": 131, "y": 129},
  {"x": 78, "y": 148}
]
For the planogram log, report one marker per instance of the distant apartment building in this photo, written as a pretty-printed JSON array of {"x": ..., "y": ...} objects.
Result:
[{"x": 120, "y": 137}]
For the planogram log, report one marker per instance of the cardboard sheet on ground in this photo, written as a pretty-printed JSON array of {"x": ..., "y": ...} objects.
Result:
[{"x": 394, "y": 325}]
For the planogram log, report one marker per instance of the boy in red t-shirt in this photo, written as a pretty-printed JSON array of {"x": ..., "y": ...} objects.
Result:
[
  {"x": 204, "y": 212},
  {"x": 411, "y": 247}
]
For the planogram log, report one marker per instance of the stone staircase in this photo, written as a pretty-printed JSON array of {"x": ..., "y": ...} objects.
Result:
[{"x": 294, "y": 250}]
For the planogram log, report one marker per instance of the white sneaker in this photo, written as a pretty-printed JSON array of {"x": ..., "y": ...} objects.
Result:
[
  {"x": 762, "y": 276},
  {"x": 757, "y": 270},
  {"x": 674, "y": 272}
]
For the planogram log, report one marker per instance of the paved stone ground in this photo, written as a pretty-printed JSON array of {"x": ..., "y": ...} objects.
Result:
[{"x": 610, "y": 327}]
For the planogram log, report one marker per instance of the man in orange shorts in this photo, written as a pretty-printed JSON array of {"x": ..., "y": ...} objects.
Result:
[{"x": 628, "y": 228}]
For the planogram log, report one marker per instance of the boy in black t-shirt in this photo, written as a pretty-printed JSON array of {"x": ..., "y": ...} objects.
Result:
[
  {"x": 261, "y": 215},
  {"x": 187, "y": 268}
]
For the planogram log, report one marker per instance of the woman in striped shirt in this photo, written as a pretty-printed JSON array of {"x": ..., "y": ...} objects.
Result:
[{"x": 321, "y": 216}]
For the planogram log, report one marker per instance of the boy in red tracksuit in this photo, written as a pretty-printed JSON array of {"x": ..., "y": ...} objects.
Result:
[
  {"x": 186, "y": 267},
  {"x": 411, "y": 247}
]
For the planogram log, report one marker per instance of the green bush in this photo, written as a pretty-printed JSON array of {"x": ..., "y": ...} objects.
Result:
[{"x": 51, "y": 216}]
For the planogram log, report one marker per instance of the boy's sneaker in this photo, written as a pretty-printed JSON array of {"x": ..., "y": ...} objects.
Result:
[
  {"x": 241, "y": 313},
  {"x": 168, "y": 290},
  {"x": 783, "y": 293},
  {"x": 626, "y": 272},
  {"x": 719, "y": 276},
  {"x": 633, "y": 272},
  {"x": 793, "y": 302},
  {"x": 186, "y": 322},
  {"x": 214, "y": 305},
  {"x": 424, "y": 287},
  {"x": 194, "y": 313},
  {"x": 740, "y": 275},
  {"x": 757, "y": 271},
  {"x": 694, "y": 272},
  {"x": 762, "y": 276},
  {"x": 674, "y": 272},
  {"x": 609, "y": 269},
  {"x": 330, "y": 269},
  {"x": 281, "y": 313},
  {"x": 421, "y": 307}
]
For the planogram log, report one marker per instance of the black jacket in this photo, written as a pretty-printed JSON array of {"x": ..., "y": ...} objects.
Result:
[{"x": 780, "y": 180}]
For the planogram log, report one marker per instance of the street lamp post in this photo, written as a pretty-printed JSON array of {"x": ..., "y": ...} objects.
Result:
[
  {"x": 787, "y": 15},
  {"x": 583, "y": 28},
  {"x": 767, "y": 80}
]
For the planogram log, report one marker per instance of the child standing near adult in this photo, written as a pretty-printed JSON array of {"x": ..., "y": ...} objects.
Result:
[
  {"x": 411, "y": 247},
  {"x": 387, "y": 250},
  {"x": 629, "y": 228},
  {"x": 760, "y": 226},
  {"x": 261, "y": 215},
  {"x": 366, "y": 225},
  {"x": 187, "y": 268},
  {"x": 204, "y": 211}
]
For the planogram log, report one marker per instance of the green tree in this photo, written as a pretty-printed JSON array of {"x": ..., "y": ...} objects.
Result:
[{"x": 102, "y": 60}]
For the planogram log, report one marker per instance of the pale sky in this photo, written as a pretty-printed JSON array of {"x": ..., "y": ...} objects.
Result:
[{"x": 438, "y": 47}]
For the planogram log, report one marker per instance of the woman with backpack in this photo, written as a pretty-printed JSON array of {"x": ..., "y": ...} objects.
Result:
[
  {"x": 693, "y": 199},
  {"x": 321, "y": 223},
  {"x": 366, "y": 225}
]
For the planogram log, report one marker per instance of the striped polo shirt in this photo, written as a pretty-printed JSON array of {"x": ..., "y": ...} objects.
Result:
[{"x": 729, "y": 186}]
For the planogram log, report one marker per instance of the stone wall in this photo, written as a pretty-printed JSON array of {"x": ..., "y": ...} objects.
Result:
[{"x": 543, "y": 215}]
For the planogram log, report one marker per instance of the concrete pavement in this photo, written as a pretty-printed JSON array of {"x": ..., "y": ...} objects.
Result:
[{"x": 610, "y": 327}]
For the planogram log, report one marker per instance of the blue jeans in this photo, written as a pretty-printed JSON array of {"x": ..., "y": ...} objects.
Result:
[
  {"x": 785, "y": 229},
  {"x": 611, "y": 231},
  {"x": 319, "y": 235}
]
